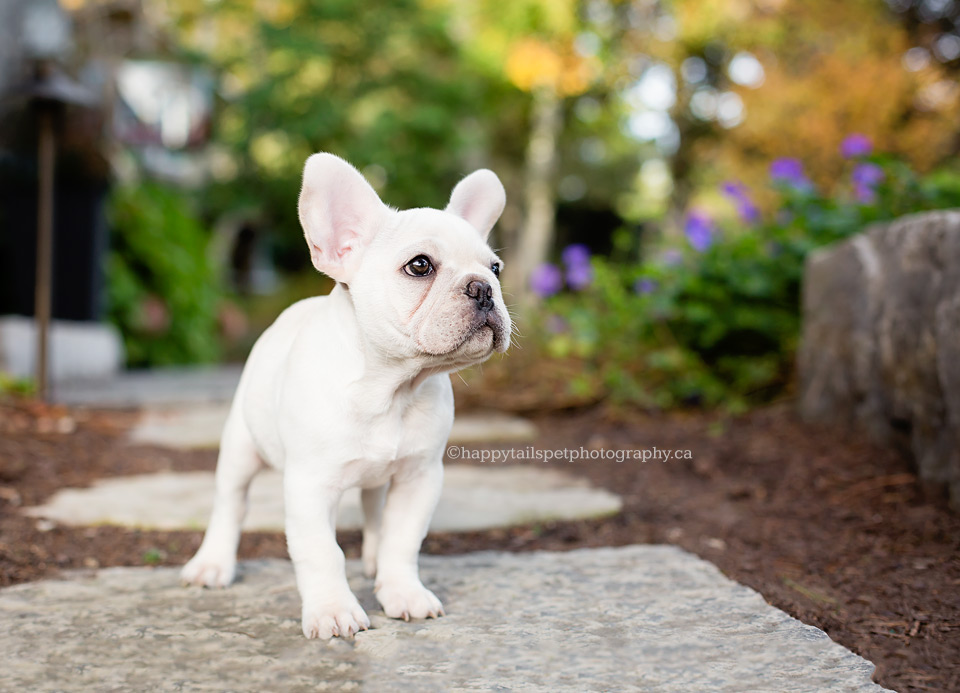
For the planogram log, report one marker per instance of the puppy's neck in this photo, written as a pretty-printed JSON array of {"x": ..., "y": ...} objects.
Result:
[{"x": 386, "y": 378}]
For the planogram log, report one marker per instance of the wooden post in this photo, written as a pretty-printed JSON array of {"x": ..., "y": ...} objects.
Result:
[{"x": 46, "y": 161}]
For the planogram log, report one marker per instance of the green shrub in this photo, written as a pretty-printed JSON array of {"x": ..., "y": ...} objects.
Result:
[
  {"x": 162, "y": 292},
  {"x": 12, "y": 385},
  {"x": 714, "y": 319}
]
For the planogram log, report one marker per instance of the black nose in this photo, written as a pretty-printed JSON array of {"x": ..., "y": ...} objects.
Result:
[{"x": 481, "y": 292}]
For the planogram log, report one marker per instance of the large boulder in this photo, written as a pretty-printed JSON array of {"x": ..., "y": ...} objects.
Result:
[{"x": 881, "y": 339}]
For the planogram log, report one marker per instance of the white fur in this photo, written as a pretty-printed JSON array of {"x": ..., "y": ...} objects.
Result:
[{"x": 352, "y": 389}]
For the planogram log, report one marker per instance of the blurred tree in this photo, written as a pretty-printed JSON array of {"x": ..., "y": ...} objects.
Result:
[
  {"x": 567, "y": 59},
  {"x": 415, "y": 93},
  {"x": 565, "y": 99},
  {"x": 530, "y": 42},
  {"x": 761, "y": 80},
  {"x": 384, "y": 89},
  {"x": 934, "y": 30}
]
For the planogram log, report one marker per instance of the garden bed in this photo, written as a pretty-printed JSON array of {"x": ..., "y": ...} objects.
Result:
[{"x": 827, "y": 527}]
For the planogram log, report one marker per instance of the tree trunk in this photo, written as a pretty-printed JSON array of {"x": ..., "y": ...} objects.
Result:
[{"x": 536, "y": 236}]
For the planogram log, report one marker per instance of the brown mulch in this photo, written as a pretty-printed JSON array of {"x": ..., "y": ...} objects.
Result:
[{"x": 834, "y": 530}]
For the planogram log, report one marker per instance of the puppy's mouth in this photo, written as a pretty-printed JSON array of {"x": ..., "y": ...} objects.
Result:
[
  {"x": 492, "y": 323},
  {"x": 465, "y": 339},
  {"x": 487, "y": 331}
]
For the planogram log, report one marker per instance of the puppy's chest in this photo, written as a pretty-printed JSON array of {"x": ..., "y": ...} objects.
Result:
[{"x": 387, "y": 442}]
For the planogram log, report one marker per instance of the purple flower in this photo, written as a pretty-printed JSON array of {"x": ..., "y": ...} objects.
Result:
[
  {"x": 699, "y": 230},
  {"x": 786, "y": 169},
  {"x": 645, "y": 286},
  {"x": 856, "y": 145},
  {"x": 579, "y": 276},
  {"x": 740, "y": 194},
  {"x": 789, "y": 171},
  {"x": 865, "y": 178},
  {"x": 734, "y": 189},
  {"x": 546, "y": 280},
  {"x": 864, "y": 194},
  {"x": 671, "y": 257},
  {"x": 556, "y": 324},
  {"x": 867, "y": 174},
  {"x": 576, "y": 255}
]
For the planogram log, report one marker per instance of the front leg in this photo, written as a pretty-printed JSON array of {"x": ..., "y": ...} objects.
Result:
[
  {"x": 329, "y": 607},
  {"x": 411, "y": 500}
]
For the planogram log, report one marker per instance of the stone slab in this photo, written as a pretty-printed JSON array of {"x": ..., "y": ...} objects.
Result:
[
  {"x": 639, "y": 618},
  {"x": 154, "y": 387},
  {"x": 491, "y": 427},
  {"x": 199, "y": 425},
  {"x": 473, "y": 498},
  {"x": 194, "y": 426}
]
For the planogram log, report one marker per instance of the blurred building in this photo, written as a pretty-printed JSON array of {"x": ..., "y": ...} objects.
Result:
[{"x": 141, "y": 117}]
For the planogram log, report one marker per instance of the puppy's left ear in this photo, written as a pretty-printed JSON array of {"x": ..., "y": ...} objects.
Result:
[{"x": 479, "y": 198}]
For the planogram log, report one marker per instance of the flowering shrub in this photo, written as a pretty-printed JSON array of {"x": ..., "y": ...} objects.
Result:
[{"x": 716, "y": 320}]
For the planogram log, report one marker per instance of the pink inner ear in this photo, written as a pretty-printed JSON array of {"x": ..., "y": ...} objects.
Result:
[
  {"x": 345, "y": 249},
  {"x": 336, "y": 249},
  {"x": 339, "y": 212}
]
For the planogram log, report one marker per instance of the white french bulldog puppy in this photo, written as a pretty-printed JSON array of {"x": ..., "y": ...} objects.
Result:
[{"x": 353, "y": 389}]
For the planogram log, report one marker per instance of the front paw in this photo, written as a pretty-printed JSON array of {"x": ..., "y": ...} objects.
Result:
[
  {"x": 408, "y": 599},
  {"x": 207, "y": 570},
  {"x": 342, "y": 618}
]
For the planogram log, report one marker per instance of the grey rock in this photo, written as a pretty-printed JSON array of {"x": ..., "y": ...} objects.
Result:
[
  {"x": 641, "y": 618},
  {"x": 881, "y": 339}
]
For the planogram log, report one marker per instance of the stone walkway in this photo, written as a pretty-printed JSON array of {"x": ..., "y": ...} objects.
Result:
[
  {"x": 199, "y": 425},
  {"x": 474, "y": 498},
  {"x": 640, "y": 618},
  {"x": 187, "y": 408}
]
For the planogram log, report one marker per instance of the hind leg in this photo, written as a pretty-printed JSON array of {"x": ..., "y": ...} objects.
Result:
[
  {"x": 372, "y": 501},
  {"x": 215, "y": 563}
]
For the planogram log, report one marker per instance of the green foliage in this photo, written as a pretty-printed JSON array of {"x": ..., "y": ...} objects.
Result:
[
  {"x": 413, "y": 93},
  {"x": 154, "y": 556},
  {"x": 386, "y": 89},
  {"x": 162, "y": 293},
  {"x": 719, "y": 327},
  {"x": 12, "y": 385}
]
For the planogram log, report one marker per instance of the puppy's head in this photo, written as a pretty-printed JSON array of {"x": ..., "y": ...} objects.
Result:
[{"x": 424, "y": 282}]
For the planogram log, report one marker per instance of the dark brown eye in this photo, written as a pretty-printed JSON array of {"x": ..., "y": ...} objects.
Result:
[
  {"x": 495, "y": 268},
  {"x": 420, "y": 266}
]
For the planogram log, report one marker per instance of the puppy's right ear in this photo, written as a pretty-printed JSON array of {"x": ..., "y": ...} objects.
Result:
[
  {"x": 479, "y": 198},
  {"x": 340, "y": 213}
]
